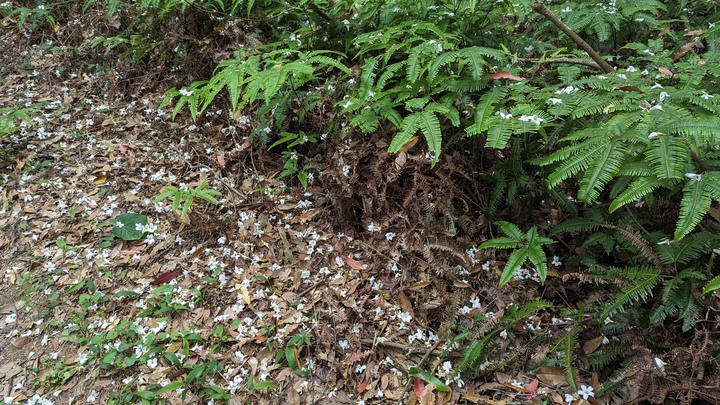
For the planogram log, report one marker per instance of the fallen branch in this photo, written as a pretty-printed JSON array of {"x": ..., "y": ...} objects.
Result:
[
  {"x": 541, "y": 9},
  {"x": 571, "y": 61}
]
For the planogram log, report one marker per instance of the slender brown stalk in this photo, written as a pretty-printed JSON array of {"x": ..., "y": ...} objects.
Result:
[{"x": 541, "y": 9}]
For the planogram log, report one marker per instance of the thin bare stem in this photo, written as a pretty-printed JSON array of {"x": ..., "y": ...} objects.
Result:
[{"x": 541, "y": 9}]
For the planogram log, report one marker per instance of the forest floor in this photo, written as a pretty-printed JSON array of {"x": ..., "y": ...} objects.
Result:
[{"x": 328, "y": 295}]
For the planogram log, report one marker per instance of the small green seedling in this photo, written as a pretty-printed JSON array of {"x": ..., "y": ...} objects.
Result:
[
  {"x": 188, "y": 195},
  {"x": 527, "y": 246}
]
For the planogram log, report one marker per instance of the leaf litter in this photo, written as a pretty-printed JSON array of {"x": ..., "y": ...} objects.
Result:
[{"x": 346, "y": 293}]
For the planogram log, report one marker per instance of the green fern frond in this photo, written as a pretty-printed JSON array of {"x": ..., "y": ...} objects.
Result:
[
  {"x": 635, "y": 169},
  {"x": 451, "y": 113},
  {"x": 475, "y": 57},
  {"x": 566, "y": 345},
  {"x": 367, "y": 78},
  {"x": 644, "y": 280},
  {"x": 587, "y": 152},
  {"x": 428, "y": 123},
  {"x": 580, "y": 224},
  {"x": 327, "y": 61},
  {"x": 476, "y": 353},
  {"x": 464, "y": 85},
  {"x": 689, "y": 249},
  {"x": 600, "y": 172},
  {"x": 635, "y": 191},
  {"x": 440, "y": 61},
  {"x": 668, "y": 156},
  {"x": 486, "y": 109},
  {"x": 415, "y": 63},
  {"x": 693, "y": 207},
  {"x": 592, "y": 104},
  {"x": 388, "y": 73}
]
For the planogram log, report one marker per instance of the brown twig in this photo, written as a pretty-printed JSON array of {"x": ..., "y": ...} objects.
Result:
[
  {"x": 571, "y": 61},
  {"x": 409, "y": 382},
  {"x": 541, "y": 9}
]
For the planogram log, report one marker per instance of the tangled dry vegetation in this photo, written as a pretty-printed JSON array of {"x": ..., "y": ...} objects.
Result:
[{"x": 277, "y": 294}]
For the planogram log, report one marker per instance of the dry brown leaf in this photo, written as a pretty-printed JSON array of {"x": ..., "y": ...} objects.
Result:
[
  {"x": 355, "y": 356},
  {"x": 245, "y": 294},
  {"x": 501, "y": 74},
  {"x": 553, "y": 376},
  {"x": 405, "y": 304},
  {"x": 591, "y": 345},
  {"x": 428, "y": 396},
  {"x": 353, "y": 263},
  {"x": 409, "y": 144},
  {"x": 419, "y": 286},
  {"x": 666, "y": 71}
]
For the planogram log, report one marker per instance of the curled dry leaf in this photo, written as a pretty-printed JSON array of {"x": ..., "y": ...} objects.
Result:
[{"x": 501, "y": 74}]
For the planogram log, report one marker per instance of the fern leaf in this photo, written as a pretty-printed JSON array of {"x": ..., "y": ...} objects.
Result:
[
  {"x": 475, "y": 57},
  {"x": 511, "y": 230},
  {"x": 450, "y": 113},
  {"x": 476, "y": 353},
  {"x": 485, "y": 110},
  {"x": 600, "y": 172},
  {"x": 580, "y": 224},
  {"x": 579, "y": 162},
  {"x": 635, "y": 191},
  {"x": 500, "y": 243},
  {"x": 425, "y": 121},
  {"x": 388, "y": 73},
  {"x": 516, "y": 259},
  {"x": 668, "y": 156},
  {"x": 416, "y": 63},
  {"x": 367, "y": 78},
  {"x": 644, "y": 278},
  {"x": 440, "y": 61},
  {"x": 711, "y": 184},
  {"x": 327, "y": 61},
  {"x": 693, "y": 207},
  {"x": 430, "y": 126},
  {"x": 539, "y": 260},
  {"x": 498, "y": 135},
  {"x": 713, "y": 285}
]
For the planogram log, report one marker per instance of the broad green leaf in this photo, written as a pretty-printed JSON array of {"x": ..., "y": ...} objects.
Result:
[
  {"x": 171, "y": 387},
  {"x": 124, "y": 226},
  {"x": 264, "y": 384},
  {"x": 417, "y": 372}
]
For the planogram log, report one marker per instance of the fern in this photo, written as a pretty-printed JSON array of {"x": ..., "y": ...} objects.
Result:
[
  {"x": 643, "y": 279},
  {"x": 693, "y": 207},
  {"x": 566, "y": 345},
  {"x": 668, "y": 157}
]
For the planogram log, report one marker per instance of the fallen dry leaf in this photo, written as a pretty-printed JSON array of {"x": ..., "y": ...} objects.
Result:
[
  {"x": 553, "y": 376},
  {"x": 353, "y": 263},
  {"x": 501, "y": 74}
]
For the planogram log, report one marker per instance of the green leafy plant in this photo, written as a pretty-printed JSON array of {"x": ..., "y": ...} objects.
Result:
[
  {"x": 35, "y": 15},
  {"x": 427, "y": 377},
  {"x": 271, "y": 77},
  {"x": 481, "y": 345},
  {"x": 528, "y": 246},
  {"x": 9, "y": 116},
  {"x": 130, "y": 226},
  {"x": 293, "y": 165},
  {"x": 186, "y": 196},
  {"x": 292, "y": 351}
]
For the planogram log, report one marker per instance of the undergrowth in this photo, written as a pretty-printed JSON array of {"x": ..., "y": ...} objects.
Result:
[{"x": 621, "y": 167}]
